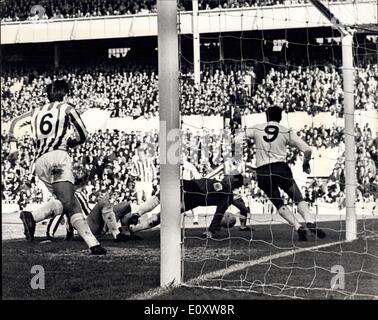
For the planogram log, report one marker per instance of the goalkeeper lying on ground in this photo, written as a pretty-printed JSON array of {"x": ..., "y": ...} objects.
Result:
[{"x": 201, "y": 192}]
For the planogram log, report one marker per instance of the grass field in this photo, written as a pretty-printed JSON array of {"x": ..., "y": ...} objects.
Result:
[{"x": 129, "y": 270}]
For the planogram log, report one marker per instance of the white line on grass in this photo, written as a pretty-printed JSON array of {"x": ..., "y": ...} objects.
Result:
[{"x": 157, "y": 292}]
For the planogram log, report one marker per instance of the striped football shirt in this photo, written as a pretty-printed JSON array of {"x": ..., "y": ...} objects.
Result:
[
  {"x": 82, "y": 197},
  {"x": 50, "y": 126},
  {"x": 144, "y": 170}
]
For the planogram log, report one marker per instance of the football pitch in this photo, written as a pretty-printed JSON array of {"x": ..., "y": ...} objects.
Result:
[{"x": 267, "y": 263}]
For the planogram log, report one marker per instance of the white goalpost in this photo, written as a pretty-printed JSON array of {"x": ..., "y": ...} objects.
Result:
[
  {"x": 170, "y": 197},
  {"x": 350, "y": 158},
  {"x": 350, "y": 145}
]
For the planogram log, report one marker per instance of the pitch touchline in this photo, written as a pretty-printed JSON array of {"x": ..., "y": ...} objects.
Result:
[{"x": 156, "y": 292}]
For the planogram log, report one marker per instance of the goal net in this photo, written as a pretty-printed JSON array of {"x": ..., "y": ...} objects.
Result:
[{"x": 234, "y": 64}]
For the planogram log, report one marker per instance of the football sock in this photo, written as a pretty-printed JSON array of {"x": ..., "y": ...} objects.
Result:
[
  {"x": 243, "y": 221},
  {"x": 111, "y": 221},
  {"x": 81, "y": 225},
  {"x": 304, "y": 211},
  {"x": 50, "y": 209},
  {"x": 149, "y": 205},
  {"x": 69, "y": 228},
  {"x": 285, "y": 213}
]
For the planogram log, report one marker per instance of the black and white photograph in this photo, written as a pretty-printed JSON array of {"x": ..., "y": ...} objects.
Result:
[{"x": 192, "y": 150}]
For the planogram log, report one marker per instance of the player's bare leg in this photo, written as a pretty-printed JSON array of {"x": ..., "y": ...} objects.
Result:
[
  {"x": 243, "y": 223},
  {"x": 287, "y": 214},
  {"x": 304, "y": 210},
  {"x": 64, "y": 191},
  {"x": 103, "y": 214},
  {"x": 240, "y": 204},
  {"x": 121, "y": 209},
  {"x": 274, "y": 195}
]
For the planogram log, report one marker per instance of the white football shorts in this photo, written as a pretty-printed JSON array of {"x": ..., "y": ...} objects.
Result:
[{"x": 54, "y": 166}]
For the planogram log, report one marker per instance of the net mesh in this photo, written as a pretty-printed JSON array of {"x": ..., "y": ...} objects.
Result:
[{"x": 300, "y": 70}]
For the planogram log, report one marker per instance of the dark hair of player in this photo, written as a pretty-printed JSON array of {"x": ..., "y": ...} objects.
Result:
[
  {"x": 81, "y": 175},
  {"x": 274, "y": 114},
  {"x": 57, "y": 90}
]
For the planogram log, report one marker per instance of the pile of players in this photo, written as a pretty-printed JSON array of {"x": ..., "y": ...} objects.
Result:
[{"x": 50, "y": 125}]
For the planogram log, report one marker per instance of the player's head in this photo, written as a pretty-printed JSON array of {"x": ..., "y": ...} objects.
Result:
[
  {"x": 57, "y": 90},
  {"x": 141, "y": 153},
  {"x": 274, "y": 114},
  {"x": 80, "y": 174},
  {"x": 234, "y": 178}
]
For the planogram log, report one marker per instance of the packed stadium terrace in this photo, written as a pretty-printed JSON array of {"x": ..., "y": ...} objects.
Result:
[
  {"x": 18, "y": 10},
  {"x": 107, "y": 155},
  {"x": 133, "y": 90}
]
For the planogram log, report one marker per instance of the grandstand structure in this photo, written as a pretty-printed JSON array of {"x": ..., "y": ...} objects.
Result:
[{"x": 284, "y": 52}]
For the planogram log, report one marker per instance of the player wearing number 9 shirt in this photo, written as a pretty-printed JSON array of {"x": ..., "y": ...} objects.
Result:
[
  {"x": 273, "y": 173},
  {"x": 50, "y": 130}
]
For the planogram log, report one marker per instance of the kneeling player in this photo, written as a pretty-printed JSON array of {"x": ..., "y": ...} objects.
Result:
[
  {"x": 200, "y": 192},
  {"x": 50, "y": 125},
  {"x": 103, "y": 217}
]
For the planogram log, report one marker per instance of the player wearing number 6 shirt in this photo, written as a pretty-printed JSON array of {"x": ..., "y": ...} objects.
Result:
[
  {"x": 50, "y": 126},
  {"x": 271, "y": 140}
]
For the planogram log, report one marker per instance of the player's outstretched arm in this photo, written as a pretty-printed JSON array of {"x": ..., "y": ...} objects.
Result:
[
  {"x": 79, "y": 127},
  {"x": 19, "y": 119},
  {"x": 302, "y": 146},
  {"x": 22, "y": 119}
]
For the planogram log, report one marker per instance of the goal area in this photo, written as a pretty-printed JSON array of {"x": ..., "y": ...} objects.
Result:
[{"x": 219, "y": 70}]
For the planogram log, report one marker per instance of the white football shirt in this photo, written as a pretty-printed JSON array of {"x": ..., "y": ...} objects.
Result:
[{"x": 271, "y": 140}]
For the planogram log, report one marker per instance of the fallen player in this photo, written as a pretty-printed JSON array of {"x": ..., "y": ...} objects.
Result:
[
  {"x": 196, "y": 193},
  {"x": 103, "y": 217}
]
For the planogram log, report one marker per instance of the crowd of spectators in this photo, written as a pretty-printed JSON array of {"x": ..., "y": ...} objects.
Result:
[
  {"x": 314, "y": 90},
  {"x": 18, "y": 10},
  {"x": 132, "y": 90},
  {"x": 107, "y": 157},
  {"x": 128, "y": 91},
  {"x": 332, "y": 189}
]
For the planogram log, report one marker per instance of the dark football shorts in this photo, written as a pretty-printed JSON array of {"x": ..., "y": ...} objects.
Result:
[{"x": 275, "y": 176}]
